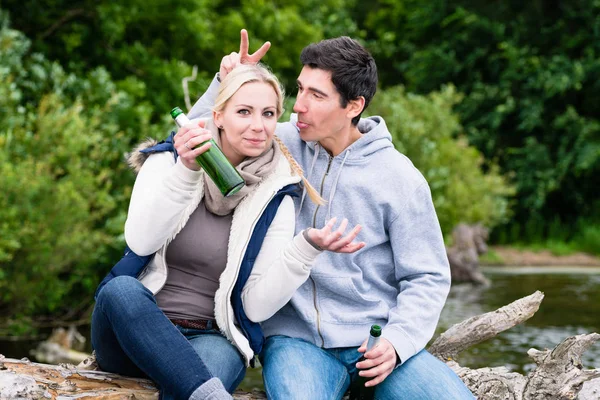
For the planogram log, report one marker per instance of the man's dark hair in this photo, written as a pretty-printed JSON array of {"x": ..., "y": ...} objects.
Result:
[{"x": 353, "y": 69}]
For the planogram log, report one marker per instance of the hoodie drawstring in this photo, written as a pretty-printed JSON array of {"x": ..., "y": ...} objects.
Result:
[
  {"x": 312, "y": 166},
  {"x": 337, "y": 178}
]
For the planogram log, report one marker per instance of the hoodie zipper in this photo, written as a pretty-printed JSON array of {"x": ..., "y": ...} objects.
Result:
[
  {"x": 321, "y": 190},
  {"x": 311, "y": 278}
]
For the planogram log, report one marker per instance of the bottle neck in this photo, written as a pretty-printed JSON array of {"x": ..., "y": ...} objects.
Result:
[
  {"x": 182, "y": 120},
  {"x": 373, "y": 341}
]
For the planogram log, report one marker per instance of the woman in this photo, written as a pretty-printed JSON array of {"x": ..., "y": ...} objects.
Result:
[{"x": 188, "y": 321}]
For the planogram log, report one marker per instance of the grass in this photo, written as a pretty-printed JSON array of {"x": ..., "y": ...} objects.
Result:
[
  {"x": 560, "y": 240},
  {"x": 491, "y": 258}
]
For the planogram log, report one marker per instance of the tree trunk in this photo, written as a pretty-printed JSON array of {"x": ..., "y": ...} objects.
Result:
[{"x": 559, "y": 373}]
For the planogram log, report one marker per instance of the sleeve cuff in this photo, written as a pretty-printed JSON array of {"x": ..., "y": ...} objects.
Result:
[
  {"x": 309, "y": 240},
  {"x": 306, "y": 248},
  {"x": 401, "y": 342}
]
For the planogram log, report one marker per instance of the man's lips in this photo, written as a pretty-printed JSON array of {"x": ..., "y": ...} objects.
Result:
[{"x": 301, "y": 125}]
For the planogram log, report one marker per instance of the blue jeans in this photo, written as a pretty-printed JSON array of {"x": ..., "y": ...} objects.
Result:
[
  {"x": 296, "y": 369},
  {"x": 133, "y": 337}
]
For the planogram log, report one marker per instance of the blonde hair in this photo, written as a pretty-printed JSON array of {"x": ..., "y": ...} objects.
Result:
[
  {"x": 314, "y": 196},
  {"x": 243, "y": 74}
]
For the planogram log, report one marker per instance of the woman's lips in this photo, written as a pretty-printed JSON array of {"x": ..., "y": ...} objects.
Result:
[{"x": 255, "y": 141}]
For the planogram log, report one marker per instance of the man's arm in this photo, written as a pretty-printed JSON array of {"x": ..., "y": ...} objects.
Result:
[
  {"x": 423, "y": 276},
  {"x": 203, "y": 107}
]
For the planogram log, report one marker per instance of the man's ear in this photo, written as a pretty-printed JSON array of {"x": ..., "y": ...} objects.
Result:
[{"x": 355, "y": 107}]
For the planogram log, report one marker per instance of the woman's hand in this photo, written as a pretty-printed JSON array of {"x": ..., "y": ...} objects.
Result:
[
  {"x": 187, "y": 139},
  {"x": 334, "y": 240},
  {"x": 229, "y": 62}
]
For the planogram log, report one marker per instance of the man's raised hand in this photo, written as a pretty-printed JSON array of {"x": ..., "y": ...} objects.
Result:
[{"x": 229, "y": 62}]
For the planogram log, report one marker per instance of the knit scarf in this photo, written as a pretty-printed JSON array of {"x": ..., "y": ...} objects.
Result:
[{"x": 252, "y": 169}]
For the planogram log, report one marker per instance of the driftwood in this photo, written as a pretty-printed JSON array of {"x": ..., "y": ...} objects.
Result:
[
  {"x": 63, "y": 346},
  {"x": 559, "y": 373},
  {"x": 469, "y": 242}
]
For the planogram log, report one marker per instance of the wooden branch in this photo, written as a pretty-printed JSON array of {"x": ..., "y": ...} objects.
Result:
[
  {"x": 560, "y": 371},
  {"x": 482, "y": 327},
  {"x": 70, "y": 14},
  {"x": 184, "y": 84},
  {"x": 24, "y": 379},
  {"x": 559, "y": 374}
]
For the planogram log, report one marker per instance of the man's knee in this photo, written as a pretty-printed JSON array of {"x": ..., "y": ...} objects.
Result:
[
  {"x": 423, "y": 377},
  {"x": 296, "y": 369}
]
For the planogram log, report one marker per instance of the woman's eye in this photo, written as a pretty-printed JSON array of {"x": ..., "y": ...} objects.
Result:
[
  {"x": 269, "y": 114},
  {"x": 243, "y": 111}
]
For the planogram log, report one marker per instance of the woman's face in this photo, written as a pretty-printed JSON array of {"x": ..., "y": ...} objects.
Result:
[{"x": 248, "y": 121}]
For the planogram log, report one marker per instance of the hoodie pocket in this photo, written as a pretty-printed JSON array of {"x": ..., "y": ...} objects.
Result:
[{"x": 341, "y": 302}]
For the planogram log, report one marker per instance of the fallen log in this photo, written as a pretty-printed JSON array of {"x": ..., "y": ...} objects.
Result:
[{"x": 559, "y": 373}]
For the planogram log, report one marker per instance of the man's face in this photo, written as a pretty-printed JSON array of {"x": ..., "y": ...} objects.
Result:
[{"x": 320, "y": 114}]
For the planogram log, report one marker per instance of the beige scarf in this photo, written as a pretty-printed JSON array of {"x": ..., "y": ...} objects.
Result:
[{"x": 252, "y": 169}]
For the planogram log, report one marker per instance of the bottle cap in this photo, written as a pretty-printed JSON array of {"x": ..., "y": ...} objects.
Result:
[
  {"x": 375, "y": 330},
  {"x": 175, "y": 112}
]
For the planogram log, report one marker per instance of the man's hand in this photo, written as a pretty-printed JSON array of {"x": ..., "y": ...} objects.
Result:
[
  {"x": 380, "y": 362},
  {"x": 328, "y": 239},
  {"x": 229, "y": 62}
]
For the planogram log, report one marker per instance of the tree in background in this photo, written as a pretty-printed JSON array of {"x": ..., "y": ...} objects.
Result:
[
  {"x": 64, "y": 183},
  {"x": 530, "y": 72}
]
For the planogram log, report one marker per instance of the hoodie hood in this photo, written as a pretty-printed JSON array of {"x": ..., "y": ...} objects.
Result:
[{"x": 375, "y": 138}]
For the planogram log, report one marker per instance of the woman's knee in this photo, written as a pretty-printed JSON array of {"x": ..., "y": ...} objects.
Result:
[{"x": 121, "y": 291}]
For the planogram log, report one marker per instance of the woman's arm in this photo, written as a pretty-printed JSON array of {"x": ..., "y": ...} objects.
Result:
[
  {"x": 282, "y": 265},
  {"x": 162, "y": 191}
]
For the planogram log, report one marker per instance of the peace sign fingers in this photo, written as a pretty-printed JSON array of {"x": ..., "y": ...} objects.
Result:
[{"x": 255, "y": 57}]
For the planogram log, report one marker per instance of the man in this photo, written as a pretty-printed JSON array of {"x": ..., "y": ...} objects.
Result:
[{"x": 398, "y": 280}]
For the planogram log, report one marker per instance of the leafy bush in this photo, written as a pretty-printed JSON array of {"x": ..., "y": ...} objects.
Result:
[
  {"x": 64, "y": 184},
  {"x": 529, "y": 72},
  {"x": 425, "y": 129}
]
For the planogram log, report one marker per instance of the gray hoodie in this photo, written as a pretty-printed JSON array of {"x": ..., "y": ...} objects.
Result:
[{"x": 399, "y": 280}]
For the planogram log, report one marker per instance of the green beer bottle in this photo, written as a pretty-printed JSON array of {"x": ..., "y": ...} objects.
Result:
[
  {"x": 358, "y": 390},
  {"x": 214, "y": 162}
]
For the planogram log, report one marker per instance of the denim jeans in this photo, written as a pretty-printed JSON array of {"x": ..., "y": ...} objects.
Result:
[
  {"x": 133, "y": 337},
  {"x": 296, "y": 369}
]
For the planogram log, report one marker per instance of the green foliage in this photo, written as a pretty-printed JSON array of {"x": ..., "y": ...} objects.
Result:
[
  {"x": 64, "y": 183},
  {"x": 530, "y": 73},
  {"x": 158, "y": 42},
  {"x": 428, "y": 132}
]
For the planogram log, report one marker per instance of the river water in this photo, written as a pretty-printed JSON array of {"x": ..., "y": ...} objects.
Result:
[{"x": 571, "y": 306}]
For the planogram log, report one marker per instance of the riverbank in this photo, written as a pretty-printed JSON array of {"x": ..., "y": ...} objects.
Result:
[{"x": 510, "y": 256}]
